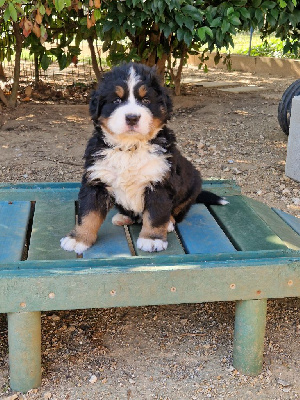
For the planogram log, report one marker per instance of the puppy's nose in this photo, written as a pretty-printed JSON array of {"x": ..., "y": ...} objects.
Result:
[{"x": 132, "y": 119}]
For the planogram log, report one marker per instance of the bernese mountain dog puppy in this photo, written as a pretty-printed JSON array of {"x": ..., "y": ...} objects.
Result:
[{"x": 132, "y": 162}]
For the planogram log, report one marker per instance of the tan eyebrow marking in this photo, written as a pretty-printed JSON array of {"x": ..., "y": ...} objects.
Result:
[
  {"x": 119, "y": 91},
  {"x": 142, "y": 91}
]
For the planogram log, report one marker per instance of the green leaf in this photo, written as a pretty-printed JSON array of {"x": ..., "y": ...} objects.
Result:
[
  {"x": 259, "y": 15},
  {"x": 6, "y": 15},
  {"x": 189, "y": 23},
  {"x": 62, "y": 61},
  {"x": 268, "y": 5},
  {"x": 282, "y": 3},
  {"x": 209, "y": 32},
  {"x": 42, "y": 9},
  {"x": 234, "y": 20},
  {"x": 245, "y": 13},
  {"x": 180, "y": 34},
  {"x": 256, "y": 3},
  {"x": 283, "y": 17},
  {"x": 2, "y": 2},
  {"x": 59, "y": 4},
  {"x": 225, "y": 26},
  {"x": 188, "y": 37},
  {"x": 230, "y": 11},
  {"x": 204, "y": 32},
  {"x": 167, "y": 30},
  {"x": 216, "y": 22},
  {"x": 97, "y": 14},
  {"x": 13, "y": 12},
  {"x": 179, "y": 19},
  {"x": 201, "y": 33},
  {"x": 45, "y": 61},
  {"x": 271, "y": 20}
]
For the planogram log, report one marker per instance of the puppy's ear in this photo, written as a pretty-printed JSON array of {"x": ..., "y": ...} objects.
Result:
[
  {"x": 156, "y": 82},
  {"x": 168, "y": 103},
  {"x": 96, "y": 103}
]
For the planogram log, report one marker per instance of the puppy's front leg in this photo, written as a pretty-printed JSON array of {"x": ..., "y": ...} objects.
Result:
[
  {"x": 156, "y": 219},
  {"x": 94, "y": 204},
  {"x": 152, "y": 238}
]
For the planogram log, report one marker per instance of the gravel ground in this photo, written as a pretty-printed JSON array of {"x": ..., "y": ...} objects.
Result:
[{"x": 176, "y": 352}]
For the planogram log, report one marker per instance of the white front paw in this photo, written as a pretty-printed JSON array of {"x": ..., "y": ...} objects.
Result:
[
  {"x": 151, "y": 245},
  {"x": 70, "y": 244}
]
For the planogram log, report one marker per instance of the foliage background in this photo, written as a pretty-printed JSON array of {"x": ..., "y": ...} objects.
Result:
[{"x": 159, "y": 33}]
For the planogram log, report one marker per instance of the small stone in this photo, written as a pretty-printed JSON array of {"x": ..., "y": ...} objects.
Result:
[
  {"x": 93, "y": 379},
  {"x": 230, "y": 161},
  {"x": 47, "y": 395},
  {"x": 296, "y": 201},
  {"x": 236, "y": 171},
  {"x": 283, "y": 383},
  {"x": 12, "y": 397},
  {"x": 259, "y": 192},
  {"x": 132, "y": 381},
  {"x": 55, "y": 317}
]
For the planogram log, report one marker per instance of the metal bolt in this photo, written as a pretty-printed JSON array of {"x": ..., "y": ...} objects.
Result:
[
  {"x": 173, "y": 289},
  {"x": 232, "y": 286},
  {"x": 23, "y": 305},
  {"x": 113, "y": 292},
  {"x": 290, "y": 282},
  {"x": 51, "y": 295}
]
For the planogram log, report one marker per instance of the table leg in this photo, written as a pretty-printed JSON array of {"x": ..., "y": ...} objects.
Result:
[
  {"x": 249, "y": 332},
  {"x": 24, "y": 341}
]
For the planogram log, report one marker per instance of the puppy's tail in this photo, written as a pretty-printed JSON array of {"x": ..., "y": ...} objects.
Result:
[{"x": 210, "y": 199}]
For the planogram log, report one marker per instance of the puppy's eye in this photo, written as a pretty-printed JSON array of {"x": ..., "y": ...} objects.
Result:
[
  {"x": 117, "y": 100},
  {"x": 145, "y": 100}
]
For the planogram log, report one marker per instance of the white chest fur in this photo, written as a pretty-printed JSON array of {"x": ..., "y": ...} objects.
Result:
[{"x": 128, "y": 173}]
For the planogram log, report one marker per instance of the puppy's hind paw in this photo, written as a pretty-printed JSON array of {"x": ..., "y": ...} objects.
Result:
[
  {"x": 70, "y": 244},
  {"x": 171, "y": 226},
  {"x": 151, "y": 245},
  {"x": 121, "y": 219}
]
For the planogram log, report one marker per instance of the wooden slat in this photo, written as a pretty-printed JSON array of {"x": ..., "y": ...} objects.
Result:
[
  {"x": 288, "y": 235},
  {"x": 89, "y": 287},
  {"x": 200, "y": 233},
  {"x": 174, "y": 245},
  {"x": 292, "y": 221},
  {"x": 244, "y": 227},
  {"x": 14, "y": 217},
  {"x": 35, "y": 194},
  {"x": 52, "y": 220},
  {"x": 111, "y": 241}
]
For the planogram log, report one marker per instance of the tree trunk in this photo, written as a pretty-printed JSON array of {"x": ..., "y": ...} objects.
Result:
[
  {"x": 2, "y": 74},
  {"x": 36, "y": 70},
  {"x": 18, "y": 50},
  {"x": 95, "y": 65},
  {"x": 176, "y": 78}
]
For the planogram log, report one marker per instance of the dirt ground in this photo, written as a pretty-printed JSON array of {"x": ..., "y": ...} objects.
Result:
[{"x": 177, "y": 352}]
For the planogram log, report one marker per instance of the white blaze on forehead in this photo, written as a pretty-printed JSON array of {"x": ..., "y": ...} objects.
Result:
[
  {"x": 117, "y": 121},
  {"x": 132, "y": 81}
]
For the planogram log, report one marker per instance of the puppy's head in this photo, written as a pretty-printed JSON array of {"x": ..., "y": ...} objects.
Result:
[{"x": 130, "y": 104}]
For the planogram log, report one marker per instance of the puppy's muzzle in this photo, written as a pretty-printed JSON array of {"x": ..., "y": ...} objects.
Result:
[{"x": 132, "y": 119}]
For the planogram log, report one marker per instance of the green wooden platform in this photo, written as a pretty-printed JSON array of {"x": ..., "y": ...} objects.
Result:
[{"x": 244, "y": 252}]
